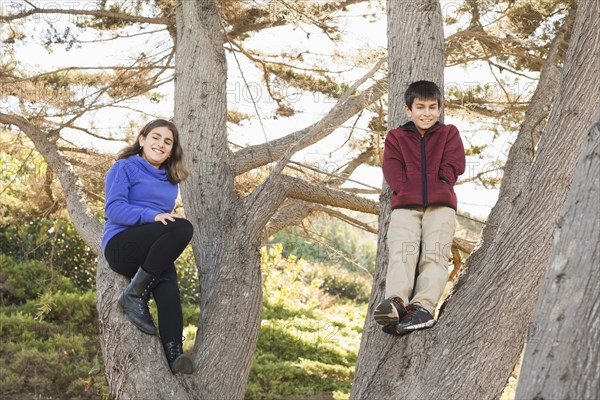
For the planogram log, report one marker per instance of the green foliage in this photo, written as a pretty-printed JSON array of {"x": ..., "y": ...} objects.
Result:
[
  {"x": 339, "y": 282},
  {"x": 325, "y": 85},
  {"x": 54, "y": 242},
  {"x": 475, "y": 150},
  {"x": 27, "y": 280},
  {"x": 187, "y": 277},
  {"x": 22, "y": 170},
  {"x": 50, "y": 342},
  {"x": 308, "y": 342},
  {"x": 309, "y": 339},
  {"x": 330, "y": 240}
]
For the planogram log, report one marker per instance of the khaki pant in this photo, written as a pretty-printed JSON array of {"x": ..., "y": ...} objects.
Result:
[{"x": 420, "y": 238}]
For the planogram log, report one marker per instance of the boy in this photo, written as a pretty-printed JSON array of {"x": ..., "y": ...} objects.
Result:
[{"x": 421, "y": 163}]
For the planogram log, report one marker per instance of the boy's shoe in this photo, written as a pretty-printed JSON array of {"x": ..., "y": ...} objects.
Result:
[
  {"x": 390, "y": 311},
  {"x": 416, "y": 318}
]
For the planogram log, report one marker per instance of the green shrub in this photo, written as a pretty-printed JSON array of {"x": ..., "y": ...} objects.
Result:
[
  {"x": 191, "y": 314},
  {"x": 308, "y": 339},
  {"x": 52, "y": 242},
  {"x": 338, "y": 281},
  {"x": 49, "y": 334},
  {"x": 51, "y": 367},
  {"x": 49, "y": 359},
  {"x": 187, "y": 277},
  {"x": 71, "y": 310},
  {"x": 22, "y": 280},
  {"x": 297, "y": 357}
]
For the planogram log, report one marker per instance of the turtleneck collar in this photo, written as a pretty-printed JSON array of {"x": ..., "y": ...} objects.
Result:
[{"x": 158, "y": 173}]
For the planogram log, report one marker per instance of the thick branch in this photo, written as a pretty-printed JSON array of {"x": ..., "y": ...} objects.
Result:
[
  {"x": 88, "y": 227},
  {"x": 256, "y": 156},
  {"x": 293, "y": 212},
  {"x": 303, "y": 190},
  {"x": 522, "y": 152}
]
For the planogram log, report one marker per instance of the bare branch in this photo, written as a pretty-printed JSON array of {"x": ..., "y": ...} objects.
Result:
[
  {"x": 241, "y": 30},
  {"x": 91, "y": 13},
  {"x": 69, "y": 69},
  {"x": 293, "y": 212},
  {"x": 361, "y": 191},
  {"x": 319, "y": 239},
  {"x": 345, "y": 218},
  {"x": 314, "y": 135},
  {"x": 337, "y": 179}
]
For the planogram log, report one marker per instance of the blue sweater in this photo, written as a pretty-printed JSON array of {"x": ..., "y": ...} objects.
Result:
[{"x": 135, "y": 193}]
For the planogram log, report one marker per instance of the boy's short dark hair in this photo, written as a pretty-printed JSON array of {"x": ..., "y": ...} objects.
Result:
[{"x": 424, "y": 90}]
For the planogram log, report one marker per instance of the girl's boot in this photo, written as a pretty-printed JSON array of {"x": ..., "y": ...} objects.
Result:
[
  {"x": 134, "y": 301},
  {"x": 179, "y": 362}
]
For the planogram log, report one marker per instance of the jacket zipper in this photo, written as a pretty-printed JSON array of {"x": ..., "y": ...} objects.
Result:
[{"x": 424, "y": 170}]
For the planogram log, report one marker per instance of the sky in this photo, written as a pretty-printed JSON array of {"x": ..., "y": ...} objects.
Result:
[{"x": 246, "y": 93}]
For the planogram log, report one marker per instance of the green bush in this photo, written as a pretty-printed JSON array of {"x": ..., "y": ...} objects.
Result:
[
  {"x": 57, "y": 366},
  {"x": 49, "y": 335},
  {"x": 295, "y": 358},
  {"x": 27, "y": 280},
  {"x": 187, "y": 277},
  {"x": 53, "y": 242},
  {"x": 71, "y": 310},
  {"x": 338, "y": 281},
  {"x": 308, "y": 339}
]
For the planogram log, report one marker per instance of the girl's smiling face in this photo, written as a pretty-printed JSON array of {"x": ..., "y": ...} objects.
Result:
[{"x": 157, "y": 145}]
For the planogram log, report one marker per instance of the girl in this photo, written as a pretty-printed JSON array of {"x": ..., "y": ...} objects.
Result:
[{"x": 142, "y": 238}]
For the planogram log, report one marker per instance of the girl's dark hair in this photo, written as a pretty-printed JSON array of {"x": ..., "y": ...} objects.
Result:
[
  {"x": 176, "y": 171},
  {"x": 424, "y": 90}
]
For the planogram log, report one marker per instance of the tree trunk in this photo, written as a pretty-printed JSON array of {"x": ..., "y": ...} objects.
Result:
[
  {"x": 472, "y": 351},
  {"x": 415, "y": 52},
  {"x": 226, "y": 243},
  {"x": 562, "y": 360},
  {"x": 134, "y": 363}
]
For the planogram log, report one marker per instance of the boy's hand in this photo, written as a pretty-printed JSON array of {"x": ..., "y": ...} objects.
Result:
[{"x": 164, "y": 217}]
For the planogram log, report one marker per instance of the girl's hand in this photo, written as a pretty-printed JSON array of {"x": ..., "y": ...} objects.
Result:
[{"x": 164, "y": 217}]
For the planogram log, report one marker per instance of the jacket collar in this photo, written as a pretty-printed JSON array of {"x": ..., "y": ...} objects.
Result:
[{"x": 410, "y": 126}]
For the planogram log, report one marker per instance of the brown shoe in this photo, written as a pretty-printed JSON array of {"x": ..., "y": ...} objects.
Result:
[{"x": 389, "y": 311}]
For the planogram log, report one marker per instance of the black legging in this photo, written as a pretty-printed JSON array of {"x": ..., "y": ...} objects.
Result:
[{"x": 154, "y": 247}]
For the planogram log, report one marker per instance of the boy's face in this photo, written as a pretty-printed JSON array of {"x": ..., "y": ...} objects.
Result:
[{"x": 424, "y": 113}]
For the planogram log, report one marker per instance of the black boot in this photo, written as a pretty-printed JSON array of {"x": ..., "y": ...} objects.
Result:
[
  {"x": 179, "y": 362},
  {"x": 134, "y": 301}
]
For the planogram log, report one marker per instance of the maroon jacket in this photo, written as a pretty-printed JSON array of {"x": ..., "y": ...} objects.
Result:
[{"x": 422, "y": 170}]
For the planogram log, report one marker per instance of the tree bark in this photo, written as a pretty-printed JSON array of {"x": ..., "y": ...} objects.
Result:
[
  {"x": 415, "y": 52},
  {"x": 479, "y": 335},
  {"x": 562, "y": 356},
  {"x": 225, "y": 245}
]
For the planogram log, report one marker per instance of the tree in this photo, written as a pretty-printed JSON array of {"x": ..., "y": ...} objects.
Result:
[
  {"x": 229, "y": 227},
  {"x": 472, "y": 351},
  {"x": 562, "y": 360},
  {"x": 230, "y": 224}
]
